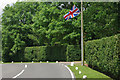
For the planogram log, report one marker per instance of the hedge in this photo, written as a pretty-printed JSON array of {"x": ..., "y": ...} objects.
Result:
[
  {"x": 103, "y": 55},
  {"x": 73, "y": 53},
  {"x": 52, "y": 53},
  {"x": 56, "y": 53},
  {"x": 35, "y": 53},
  {"x": 44, "y": 53}
]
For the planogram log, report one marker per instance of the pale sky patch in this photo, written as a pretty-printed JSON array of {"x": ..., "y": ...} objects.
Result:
[{"x": 3, "y": 3}]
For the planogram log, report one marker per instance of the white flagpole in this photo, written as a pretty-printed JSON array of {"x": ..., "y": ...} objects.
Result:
[{"x": 82, "y": 49}]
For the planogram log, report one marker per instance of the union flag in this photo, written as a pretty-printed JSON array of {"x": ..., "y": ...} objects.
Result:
[{"x": 72, "y": 13}]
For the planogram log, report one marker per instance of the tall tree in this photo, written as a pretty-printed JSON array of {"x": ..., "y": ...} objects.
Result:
[
  {"x": 42, "y": 23},
  {"x": 101, "y": 20}
]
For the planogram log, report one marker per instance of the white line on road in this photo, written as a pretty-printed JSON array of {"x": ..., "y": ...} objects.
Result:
[
  {"x": 19, "y": 74},
  {"x": 70, "y": 72}
]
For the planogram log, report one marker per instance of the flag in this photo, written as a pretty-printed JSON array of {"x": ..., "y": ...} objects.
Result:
[{"x": 72, "y": 13}]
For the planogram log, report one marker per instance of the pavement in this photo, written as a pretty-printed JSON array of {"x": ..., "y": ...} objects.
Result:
[{"x": 33, "y": 71}]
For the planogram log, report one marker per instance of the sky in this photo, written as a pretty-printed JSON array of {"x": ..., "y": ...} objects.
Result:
[{"x": 3, "y": 3}]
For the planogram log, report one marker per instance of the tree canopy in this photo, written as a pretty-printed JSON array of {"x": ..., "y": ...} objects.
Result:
[{"x": 41, "y": 23}]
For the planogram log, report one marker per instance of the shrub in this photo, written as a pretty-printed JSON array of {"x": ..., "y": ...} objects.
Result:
[
  {"x": 28, "y": 54},
  {"x": 53, "y": 53},
  {"x": 56, "y": 53},
  {"x": 73, "y": 53},
  {"x": 35, "y": 53},
  {"x": 103, "y": 55},
  {"x": 44, "y": 53}
]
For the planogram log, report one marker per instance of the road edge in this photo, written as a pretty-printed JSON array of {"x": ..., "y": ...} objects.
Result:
[{"x": 73, "y": 77}]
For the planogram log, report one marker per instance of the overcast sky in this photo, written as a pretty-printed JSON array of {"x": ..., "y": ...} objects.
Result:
[{"x": 3, "y": 3}]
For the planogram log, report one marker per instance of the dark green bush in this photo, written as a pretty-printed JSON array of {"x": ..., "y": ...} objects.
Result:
[
  {"x": 53, "y": 53},
  {"x": 103, "y": 55},
  {"x": 44, "y": 53},
  {"x": 56, "y": 53},
  {"x": 35, "y": 53},
  {"x": 28, "y": 54},
  {"x": 73, "y": 53}
]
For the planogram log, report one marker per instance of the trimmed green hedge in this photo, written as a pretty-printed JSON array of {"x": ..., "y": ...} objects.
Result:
[
  {"x": 35, "y": 53},
  {"x": 103, "y": 55},
  {"x": 44, "y": 53},
  {"x": 56, "y": 53},
  {"x": 52, "y": 53},
  {"x": 73, "y": 53}
]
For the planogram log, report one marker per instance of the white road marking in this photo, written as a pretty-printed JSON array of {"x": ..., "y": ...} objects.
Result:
[
  {"x": 19, "y": 74},
  {"x": 70, "y": 72}
]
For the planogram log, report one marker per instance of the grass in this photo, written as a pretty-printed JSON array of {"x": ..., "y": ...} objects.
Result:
[{"x": 90, "y": 73}]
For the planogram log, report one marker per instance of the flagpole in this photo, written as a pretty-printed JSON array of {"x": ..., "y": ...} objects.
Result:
[{"x": 82, "y": 49}]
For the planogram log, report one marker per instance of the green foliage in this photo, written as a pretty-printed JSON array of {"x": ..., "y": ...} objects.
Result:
[
  {"x": 45, "y": 22},
  {"x": 35, "y": 53},
  {"x": 100, "y": 20},
  {"x": 18, "y": 44},
  {"x": 53, "y": 53},
  {"x": 28, "y": 54},
  {"x": 56, "y": 53},
  {"x": 73, "y": 53},
  {"x": 103, "y": 55},
  {"x": 50, "y": 25},
  {"x": 0, "y": 39},
  {"x": 16, "y": 22},
  {"x": 42, "y": 23},
  {"x": 44, "y": 53},
  {"x": 7, "y": 45}
]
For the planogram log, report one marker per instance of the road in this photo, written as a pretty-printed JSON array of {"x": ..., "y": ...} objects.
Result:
[
  {"x": 35, "y": 71},
  {"x": 0, "y": 71}
]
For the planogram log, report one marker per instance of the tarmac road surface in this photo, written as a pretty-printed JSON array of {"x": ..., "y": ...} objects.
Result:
[
  {"x": 33, "y": 71},
  {"x": 0, "y": 71}
]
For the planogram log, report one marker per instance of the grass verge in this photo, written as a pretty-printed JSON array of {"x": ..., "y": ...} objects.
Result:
[{"x": 90, "y": 73}]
